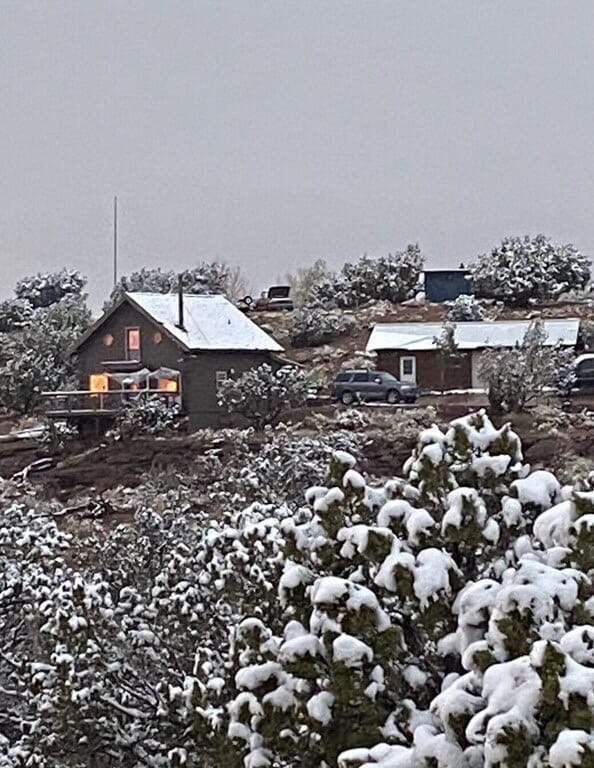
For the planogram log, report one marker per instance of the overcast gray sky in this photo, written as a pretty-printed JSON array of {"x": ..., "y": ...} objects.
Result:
[{"x": 269, "y": 134}]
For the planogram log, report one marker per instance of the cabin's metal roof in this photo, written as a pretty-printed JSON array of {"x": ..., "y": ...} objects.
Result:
[
  {"x": 211, "y": 322},
  {"x": 476, "y": 335}
]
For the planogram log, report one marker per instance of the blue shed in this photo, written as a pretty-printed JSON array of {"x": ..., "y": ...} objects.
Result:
[{"x": 446, "y": 284}]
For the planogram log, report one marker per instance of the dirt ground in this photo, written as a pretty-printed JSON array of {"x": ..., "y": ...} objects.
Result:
[{"x": 95, "y": 469}]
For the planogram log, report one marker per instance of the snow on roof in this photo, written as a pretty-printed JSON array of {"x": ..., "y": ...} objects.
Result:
[
  {"x": 500, "y": 333},
  {"x": 210, "y": 322}
]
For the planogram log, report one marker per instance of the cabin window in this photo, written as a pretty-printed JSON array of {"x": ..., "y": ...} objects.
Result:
[
  {"x": 157, "y": 337},
  {"x": 167, "y": 385},
  {"x": 220, "y": 377},
  {"x": 132, "y": 343},
  {"x": 108, "y": 340},
  {"x": 98, "y": 382}
]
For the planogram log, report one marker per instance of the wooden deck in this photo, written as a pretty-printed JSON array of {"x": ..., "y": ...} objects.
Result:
[{"x": 84, "y": 403}]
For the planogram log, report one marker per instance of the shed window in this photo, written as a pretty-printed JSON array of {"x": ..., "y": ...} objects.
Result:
[
  {"x": 408, "y": 365},
  {"x": 133, "y": 343},
  {"x": 220, "y": 377}
]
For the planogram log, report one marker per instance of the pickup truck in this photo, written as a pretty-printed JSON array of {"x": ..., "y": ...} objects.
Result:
[{"x": 275, "y": 299}]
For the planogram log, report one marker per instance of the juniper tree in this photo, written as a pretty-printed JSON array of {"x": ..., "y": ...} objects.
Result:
[
  {"x": 393, "y": 278},
  {"x": 524, "y": 270},
  {"x": 442, "y": 618},
  {"x": 261, "y": 394}
]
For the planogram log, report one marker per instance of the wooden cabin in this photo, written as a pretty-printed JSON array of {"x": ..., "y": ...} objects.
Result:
[{"x": 180, "y": 346}]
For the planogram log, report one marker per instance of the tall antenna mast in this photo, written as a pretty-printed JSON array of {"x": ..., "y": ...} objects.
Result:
[{"x": 115, "y": 241}]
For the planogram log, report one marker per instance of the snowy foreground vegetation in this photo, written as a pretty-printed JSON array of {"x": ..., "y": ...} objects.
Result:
[{"x": 441, "y": 620}]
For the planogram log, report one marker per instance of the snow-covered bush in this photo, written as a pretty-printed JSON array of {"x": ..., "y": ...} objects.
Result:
[
  {"x": 261, "y": 394},
  {"x": 40, "y": 292},
  {"x": 273, "y": 467},
  {"x": 464, "y": 309},
  {"x": 393, "y": 278},
  {"x": 446, "y": 349},
  {"x": 586, "y": 335},
  {"x": 14, "y": 314},
  {"x": 525, "y": 270},
  {"x": 313, "y": 326},
  {"x": 304, "y": 281},
  {"x": 516, "y": 377},
  {"x": 39, "y": 357},
  {"x": 56, "y": 436},
  {"x": 443, "y": 619},
  {"x": 208, "y": 277},
  {"x": 45, "y": 289},
  {"x": 146, "y": 414}
]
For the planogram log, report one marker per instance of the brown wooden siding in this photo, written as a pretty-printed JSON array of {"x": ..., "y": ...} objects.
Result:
[
  {"x": 93, "y": 352},
  {"x": 200, "y": 386},
  {"x": 456, "y": 375},
  {"x": 198, "y": 370}
]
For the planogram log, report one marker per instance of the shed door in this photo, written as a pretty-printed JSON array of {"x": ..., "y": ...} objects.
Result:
[{"x": 408, "y": 369}]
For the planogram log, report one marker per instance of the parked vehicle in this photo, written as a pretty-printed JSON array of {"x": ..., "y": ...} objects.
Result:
[
  {"x": 275, "y": 299},
  {"x": 361, "y": 384},
  {"x": 584, "y": 372}
]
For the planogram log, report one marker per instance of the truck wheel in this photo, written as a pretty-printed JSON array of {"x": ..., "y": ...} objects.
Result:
[{"x": 347, "y": 398}]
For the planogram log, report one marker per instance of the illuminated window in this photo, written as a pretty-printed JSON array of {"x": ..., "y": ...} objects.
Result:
[
  {"x": 167, "y": 385},
  {"x": 108, "y": 340},
  {"x": 157, "y": 337},
  {"x": 98, "y": 382},
  {"x": 133, "y": 343}
]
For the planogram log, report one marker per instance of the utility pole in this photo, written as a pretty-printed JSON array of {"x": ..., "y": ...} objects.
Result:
[{"x": 115, "y": 241}]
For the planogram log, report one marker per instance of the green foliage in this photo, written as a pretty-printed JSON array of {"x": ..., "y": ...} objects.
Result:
[
  {"x": 208, "y": 277},
  {"x": 515, "y": 378},
  {"x": 526, "y": 270},
  {"x": 56, "y": 436},
  {"x": 39, "y": 357},
  {"x": 313, "y": 326},
  {"x": 261, "y": 394},
  {"x": 304, "y": 280},
  {"x": 146, "y": 414},
  {"x": 393, "y": 278}
]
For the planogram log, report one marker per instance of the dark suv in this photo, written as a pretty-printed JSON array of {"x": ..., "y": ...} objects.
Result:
[
  {"x": 350, "y": 386},
  {"x": 583, "y": 368}
]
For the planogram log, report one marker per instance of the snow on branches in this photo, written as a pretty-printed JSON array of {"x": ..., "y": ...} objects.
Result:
[
  {"x": 444, "y": 618},
  {"x": 38, "y": 357},
  {"x": 208, "y": 277},
  {"x": 394, "y": 278},
  {"x": 261, "y": 394},
  {"x": 525, "y": 270},
  {"x": 45, "y": 289},
  {"x": 464, "y": 309},
  {"x": 313, "y": 326},
  {"x": 516, "y": 377},
  {"x": 146, "y": 414}
]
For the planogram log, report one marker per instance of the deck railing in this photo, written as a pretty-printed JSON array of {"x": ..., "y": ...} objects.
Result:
[{"x": 83, "y": 401}]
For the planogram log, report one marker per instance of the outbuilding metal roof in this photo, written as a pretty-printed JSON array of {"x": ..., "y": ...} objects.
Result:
[
  {"x": 211, "y": 322},
  {"x": 500, "y": 333}
]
